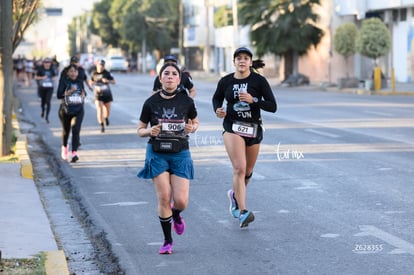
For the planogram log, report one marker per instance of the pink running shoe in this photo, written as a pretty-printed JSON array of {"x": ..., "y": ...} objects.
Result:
[
  {"x": 166, "y": 248},
  {"x": 64, "y": 153},
  {"x": 179, "y": 227}
]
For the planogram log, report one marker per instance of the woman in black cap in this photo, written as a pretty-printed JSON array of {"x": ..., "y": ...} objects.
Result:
[
  {"x": 100, "y": 79},
  {"x": 246, "y": 93}
]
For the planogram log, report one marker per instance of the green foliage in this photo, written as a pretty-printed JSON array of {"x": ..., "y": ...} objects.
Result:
[
  {"x": 223, "y": 16},
  {"x": 102, "y": 24},
  {"x": 286, "y": 28},
  {"x": 281, "y": 26},
  {"x": 127, "y": 23},
  {"x": 344, "y": 39},
  {"x": 373, "y": 39},
  {"x": 34, "y": 266}
]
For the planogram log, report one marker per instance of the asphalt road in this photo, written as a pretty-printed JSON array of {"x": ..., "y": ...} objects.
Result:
[{"x": 332, "y": 190}]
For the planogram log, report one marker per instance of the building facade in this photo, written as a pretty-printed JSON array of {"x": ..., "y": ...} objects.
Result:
[{"x": 210, "y": 49}]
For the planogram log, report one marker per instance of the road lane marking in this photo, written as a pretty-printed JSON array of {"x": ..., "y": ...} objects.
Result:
[
  {"x": 330, "y": 235},
  {"x": 401, "y": 245},
  {"x": 307, "y": 184},
  {"x": 322, "y": 133},
  {"x": 379, "y": 113},
  {"x": 126, "y": 203}
]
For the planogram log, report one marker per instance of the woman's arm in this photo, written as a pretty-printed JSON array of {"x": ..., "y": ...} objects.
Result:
[{"x": 144, "y": 131}]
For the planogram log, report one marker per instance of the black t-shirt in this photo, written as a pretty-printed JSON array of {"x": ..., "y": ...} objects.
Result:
[
  {"x": 228, "y": 88},
  {"x": 49, "y": 73},
  {"x": 97, "y": 76},
  {"x": 172, "y": 113}
]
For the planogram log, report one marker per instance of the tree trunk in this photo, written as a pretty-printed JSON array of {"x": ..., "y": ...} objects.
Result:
[
  {"x": 288, "y": 56},
  {"x": 6, "y": 76},
  {"x": 291, "y": 63}
]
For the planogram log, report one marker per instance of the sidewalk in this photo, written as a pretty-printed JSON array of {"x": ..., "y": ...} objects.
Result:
[
  {"x": 400, "y": 89},
  {"x": 24, "y": 226}
]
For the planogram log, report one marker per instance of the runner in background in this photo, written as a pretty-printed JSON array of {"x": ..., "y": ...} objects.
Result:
[
  {"x": 45, "y": 75},
  {"x": 101, "y": 80}
]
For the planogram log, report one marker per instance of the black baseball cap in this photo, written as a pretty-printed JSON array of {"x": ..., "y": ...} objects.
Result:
[
  {"x": 170, "y": 57},
  {"x": 242, "y": 50},
  {"x": 74, "y": 59}
]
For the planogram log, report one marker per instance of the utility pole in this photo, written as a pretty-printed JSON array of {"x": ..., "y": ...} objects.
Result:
[{"x": 6, "y": 75}]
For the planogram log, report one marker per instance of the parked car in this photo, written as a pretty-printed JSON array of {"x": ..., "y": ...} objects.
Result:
[{"x": 116, "y": 64}]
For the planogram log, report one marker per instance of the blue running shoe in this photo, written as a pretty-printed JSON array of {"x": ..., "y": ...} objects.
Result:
[
  {"x": 246, "y": 218},
  {"x": 234, "y": 209}
]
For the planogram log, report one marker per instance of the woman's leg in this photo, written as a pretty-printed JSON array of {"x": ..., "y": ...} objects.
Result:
[
  {"x": 251, "y": 156},
  {"x": 76, "y": 128},
  {"x": 99, "y": 110},
  {"x": 65, "y": 122},
  {"x": 236, "y": 150},
  {"x": 42, "y": 93},
  {"x": 164, "y": 192},
  {"x": 48, "y": 99},
  {"x": 180, "y": 191},
  {"x": 106, "y": 110}
]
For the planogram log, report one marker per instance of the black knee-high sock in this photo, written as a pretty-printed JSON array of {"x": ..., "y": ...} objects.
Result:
[
  {"x": 176, "y": 215},
  {"x": 166, "y": 228}
]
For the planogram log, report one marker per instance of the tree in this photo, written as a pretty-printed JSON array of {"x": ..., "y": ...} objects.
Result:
[
  {"x": 16, "y": 17},
  {"x": 137, "y": 23},
  {"x": 223, "y": 16},
  {"x": 102, "y": 24},
  {"x": 283, "y": 27},
  {"x": 24, "y": 15},
  {"x": 373, "y": 39},
  {"x": 344, "y": 41}
]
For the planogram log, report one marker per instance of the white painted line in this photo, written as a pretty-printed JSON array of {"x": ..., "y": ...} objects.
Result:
[
  {"x": 307, "y": 184},
  {"x": 379, "y": 113},
  {"x": 330, "y": 235},
  {"x": 401, "y": 245},
  {"x": 127, "y": 203},
  {"x": 322, "y": 133}
]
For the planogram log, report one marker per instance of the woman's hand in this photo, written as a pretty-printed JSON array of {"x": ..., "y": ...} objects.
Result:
[
  {"x": 220, "y": 112},
  {"x": 155, "y": 130},
  {"x": 246, "y": 97},
  {"x": 189, "y": 127}
]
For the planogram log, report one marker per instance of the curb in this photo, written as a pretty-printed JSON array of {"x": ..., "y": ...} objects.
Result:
[
  {"x": 55, "y": 263},
  {"x": 26, "y": 169}
]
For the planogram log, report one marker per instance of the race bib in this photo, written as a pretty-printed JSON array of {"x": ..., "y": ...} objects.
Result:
[
  {"x": 245, "y": 129},
  {"x": 102, "y": 88},
  {"x": 73, "y": 99},
  {"x": 172, "y": 126},
  {"x": 47, "y": 83}
]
